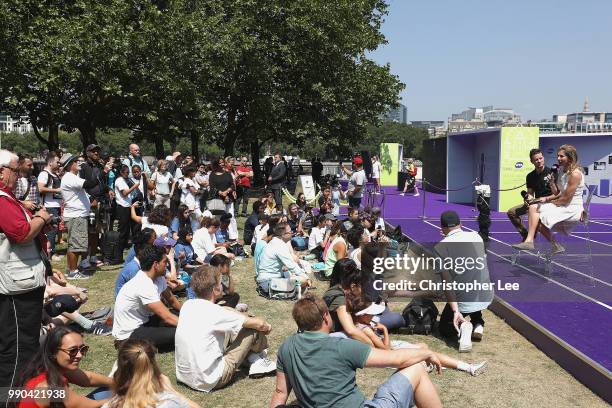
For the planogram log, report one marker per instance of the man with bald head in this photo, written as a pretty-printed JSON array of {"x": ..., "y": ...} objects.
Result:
[{"x": 135, "y": 158}]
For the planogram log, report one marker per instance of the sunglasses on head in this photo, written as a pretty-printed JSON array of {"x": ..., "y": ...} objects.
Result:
[{"x": 73, "y": 351}]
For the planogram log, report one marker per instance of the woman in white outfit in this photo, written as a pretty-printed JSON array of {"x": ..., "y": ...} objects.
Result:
[{"x": 560, "y": 211}]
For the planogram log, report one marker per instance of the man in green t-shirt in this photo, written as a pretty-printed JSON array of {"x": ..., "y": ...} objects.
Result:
[{"x": 321, "y": 369}]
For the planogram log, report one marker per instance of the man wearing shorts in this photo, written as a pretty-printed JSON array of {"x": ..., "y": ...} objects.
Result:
[
  {"x": 76, "y": 213},
  {"x": 326, "y": 378}
]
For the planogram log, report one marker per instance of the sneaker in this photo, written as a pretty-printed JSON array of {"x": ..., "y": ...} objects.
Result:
[
  {"x": 557, "y": 248},
  {"x": 99, "y": 314},
  {"x": 242, "y": 307},
  {"x": 100, "y": 329},
  {"x": 478, "y": 332},
  {"x": 77, "y": 275},
  {"x": 95, "y": 261},
  {"x": 402, "y": 194},
  {"x": 523, "y": 234},
  {"x": 465, "y": 337},
  {"x": 416, "y": 195},
  {"x": 262, "y": 367},
  {"x": 478, "y": 368}
]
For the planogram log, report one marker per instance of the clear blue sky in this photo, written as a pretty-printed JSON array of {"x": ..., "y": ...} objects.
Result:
[{"x": 539, "y": 57}]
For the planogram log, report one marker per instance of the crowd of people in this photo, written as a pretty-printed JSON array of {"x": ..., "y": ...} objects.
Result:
[{"x": 177, "y": 222}]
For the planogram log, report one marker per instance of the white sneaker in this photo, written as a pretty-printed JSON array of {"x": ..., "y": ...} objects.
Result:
[
  {"x": 402, "y": 194},
  {"x": 416, "y": 194},
  {"x": 262, "y": 367},
  {"x": 465, "y": 337},
  {"x": 478, "y": 332},
  {"x": 478, "y": 368},
  {"x": 77, "y": 275}
]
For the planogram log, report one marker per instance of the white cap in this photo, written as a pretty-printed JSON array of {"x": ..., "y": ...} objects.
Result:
[{"x": 374, "y": 309}]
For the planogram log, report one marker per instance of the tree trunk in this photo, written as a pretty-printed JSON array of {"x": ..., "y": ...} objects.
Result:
[
  {"x": 53, "y": 140},
  {"x": 88, "y": 134},
  {"x": 195, "y": 148},
  {"x": 255, "y": 153},
  {"x": 159, "y": 147}
]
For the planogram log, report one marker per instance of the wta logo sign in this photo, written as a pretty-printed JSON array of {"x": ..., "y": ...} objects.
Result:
[{"x": 518, "y": 165}]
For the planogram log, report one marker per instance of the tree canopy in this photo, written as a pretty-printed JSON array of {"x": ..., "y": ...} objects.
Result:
[{"x": 236, "y": 74}]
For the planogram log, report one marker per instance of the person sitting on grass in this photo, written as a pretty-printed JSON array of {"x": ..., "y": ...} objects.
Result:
[
  {"x": 56, "y": 365},
  {"x": 252, "y": 223},
  {"x": 326, "y": 378},
  {"x": 184, "y": 255},
  {"x": 363, "y": 311},
  {"x": 139, "y": 311},
  {"x": 260, "y": 230},
  {"x": 183, "y": 219},
  {"x": 143, "y": 238},
  {"x": 277, "y": 261},
  {"x": 319, "y": 235},
  {"x": 138, "y": 381},
  {"x": 159, "y": 219},
  {"x": 230, "y": 297},
  {"x": 213, "y": 341},
  {"x": 149, "y": 237},
  {"x": 205, "y": 241}
]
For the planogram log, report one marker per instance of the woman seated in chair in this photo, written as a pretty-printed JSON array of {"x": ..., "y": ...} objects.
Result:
[{"x": 562, "y": 210}]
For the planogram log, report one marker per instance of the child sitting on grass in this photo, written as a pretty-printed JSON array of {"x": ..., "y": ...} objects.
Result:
[{"x": 363, "y": 311}]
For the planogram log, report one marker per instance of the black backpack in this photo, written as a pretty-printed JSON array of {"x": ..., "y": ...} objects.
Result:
[
  {"x": 420, "y": 316},
  {"x": 112, "y": 249}
]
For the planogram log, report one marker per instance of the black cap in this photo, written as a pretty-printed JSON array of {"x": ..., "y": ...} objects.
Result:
[
  {"x": 92, "y": 147},
  {"x": 449, "y": 219}
]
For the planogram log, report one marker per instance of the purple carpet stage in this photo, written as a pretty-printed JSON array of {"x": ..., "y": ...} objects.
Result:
[{"x": 566, "y": 311}]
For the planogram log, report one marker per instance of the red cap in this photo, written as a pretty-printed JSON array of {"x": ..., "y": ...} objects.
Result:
[{"x": 358, "y": 160}]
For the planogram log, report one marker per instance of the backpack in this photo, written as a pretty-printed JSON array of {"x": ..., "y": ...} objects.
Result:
[
  {"x": 112, "y": 250},
  {"x": 420, "y": 316},
  {"x": 281, "y": 289}
]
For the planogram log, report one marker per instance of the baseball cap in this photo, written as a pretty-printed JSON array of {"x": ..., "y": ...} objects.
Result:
[
  {"x": 92, "y": 147},
  {"x": 358, "y": 160},
  {"x": 66, "y": 159},
  {"x": 374, "y": 309},
  {"x": 164, "y": 241},
  {"x": 449, "y": 219}
]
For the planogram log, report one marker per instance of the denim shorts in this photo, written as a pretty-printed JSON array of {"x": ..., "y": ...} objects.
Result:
[{"x": 396, "y": 392}]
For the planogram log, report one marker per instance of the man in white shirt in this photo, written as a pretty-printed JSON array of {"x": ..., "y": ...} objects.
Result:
[
  {"x": 376, "y": 167},
  {"x": 461, "y": 246},
  {"x": 139, "y": 311},
  {"x": 356, "y": 182},
  {"x": 277, "y": 260},
  {"x": 51, "y": 197},
  {"x": 76, "y": 213},
  {"x": 213, "y": 341}
]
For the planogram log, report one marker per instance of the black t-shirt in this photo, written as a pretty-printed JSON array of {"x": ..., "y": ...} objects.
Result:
[
  {"x": 220, "y": 182},
  {"x": 538, "y": 182}
]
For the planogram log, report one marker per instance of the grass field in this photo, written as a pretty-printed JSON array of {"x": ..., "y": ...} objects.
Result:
[{"x": 519, "y": 375}]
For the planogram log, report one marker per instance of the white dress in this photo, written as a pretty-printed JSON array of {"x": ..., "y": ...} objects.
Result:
[{"x": 564, "y": 218}]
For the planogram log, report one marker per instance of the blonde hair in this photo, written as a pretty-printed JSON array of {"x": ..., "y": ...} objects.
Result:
[
  {"x": 162, "y": 162},
  {"x": 137, "y": 379},
  {"x": 572, "y": 156}
]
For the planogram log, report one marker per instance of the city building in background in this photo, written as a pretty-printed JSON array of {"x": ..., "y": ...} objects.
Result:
[
  {"x": 9, "y": 124},
  {"x": 397, "y": 115},
  {"x": 480, "y": 118},
  {"x": 435, "y": 128}
]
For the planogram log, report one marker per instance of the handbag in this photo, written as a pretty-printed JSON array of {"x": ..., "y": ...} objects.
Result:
[{"x": 215, "y": 204}]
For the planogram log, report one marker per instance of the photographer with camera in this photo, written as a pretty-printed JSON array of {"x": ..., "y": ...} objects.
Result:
[
  {"x": 77, "y": 208},
  {"x": 94, "y": 168},
  {"x": 540, "y": 183},
  {"x": 125, "y": 189},
  {"x": 51, "y": 198}
]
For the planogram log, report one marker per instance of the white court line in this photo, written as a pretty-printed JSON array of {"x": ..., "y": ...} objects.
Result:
[
  {"x": 600, "y": 223},
  {"x": 556, "y": 263},
  {"x": 546, "y": 277},
  {"x": 578, "y": 232}
]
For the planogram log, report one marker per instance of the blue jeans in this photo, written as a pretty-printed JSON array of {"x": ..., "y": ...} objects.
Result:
[
  {"x": 52, "y": 233},
  {"x": 100, "y": 394}
]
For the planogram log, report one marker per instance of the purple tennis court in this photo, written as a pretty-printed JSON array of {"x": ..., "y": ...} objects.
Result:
[{"x": 570, "y": 303}]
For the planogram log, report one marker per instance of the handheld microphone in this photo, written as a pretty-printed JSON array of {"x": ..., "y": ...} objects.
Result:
[
  {"x": 554, "y": 168},
  {"x": 524, "y": 194}
]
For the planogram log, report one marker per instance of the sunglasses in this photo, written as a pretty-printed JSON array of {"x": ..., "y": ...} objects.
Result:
[{"x": 73, "y": 351}]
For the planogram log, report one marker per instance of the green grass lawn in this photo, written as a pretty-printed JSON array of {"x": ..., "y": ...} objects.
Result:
[{"x": 519, "y": 375}]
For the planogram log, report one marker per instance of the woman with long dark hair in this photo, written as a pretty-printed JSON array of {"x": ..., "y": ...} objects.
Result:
[
  {"x": 159, "y": 219},
  {"x": 139, "y": 383},
  {"x": 56, "y": 365},
  {"x": 183, "y": 220},
  {"x": 222, "y": 187}
]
